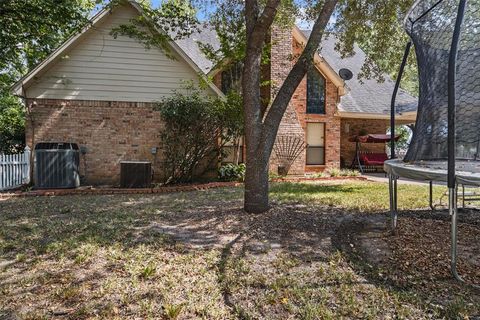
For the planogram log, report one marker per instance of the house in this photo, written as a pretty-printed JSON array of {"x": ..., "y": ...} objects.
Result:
[{"x": 100, "y": 92}]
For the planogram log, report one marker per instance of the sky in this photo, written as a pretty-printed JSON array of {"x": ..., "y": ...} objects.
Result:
[{"x": 302, "y": 24}]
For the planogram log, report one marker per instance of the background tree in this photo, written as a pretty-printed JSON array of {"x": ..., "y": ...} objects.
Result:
[
  {"x": 405, "y": 133},
  {"x": 243, "y": 27},
  {"x": 29, "y": 31}
]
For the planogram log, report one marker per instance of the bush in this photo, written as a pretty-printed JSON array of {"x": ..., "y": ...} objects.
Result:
[
  {"x": 349, "y": 173},
  {"x": 232, "y": 172},
  {"x": 334, "y": 172},
  {"x": 196, "y": 127},
  {"x": 319, "y": 175}
]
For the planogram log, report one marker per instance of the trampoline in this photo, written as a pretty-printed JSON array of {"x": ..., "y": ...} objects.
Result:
[{"x": 446, "y": 141}]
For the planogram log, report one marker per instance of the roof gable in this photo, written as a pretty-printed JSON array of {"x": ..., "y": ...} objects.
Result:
[
  {"x": 99, "y": 28},
  {"x": 321, "y": 63},
  {"x": 366, "y": 96}
]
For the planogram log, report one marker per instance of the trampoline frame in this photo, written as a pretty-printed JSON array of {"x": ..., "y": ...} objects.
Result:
[{"x": 451, "y": 172}]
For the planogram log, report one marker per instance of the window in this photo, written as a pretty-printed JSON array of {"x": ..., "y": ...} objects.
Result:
[
  {"x": 233, "y": 151},
  {"x": 231, "y": 78},
  {"x": 315, "y": 143},
  {"x": 315, "y": 92}
]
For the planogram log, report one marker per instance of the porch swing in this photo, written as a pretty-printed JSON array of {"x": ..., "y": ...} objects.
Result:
[{"x": 369, "y": 161}]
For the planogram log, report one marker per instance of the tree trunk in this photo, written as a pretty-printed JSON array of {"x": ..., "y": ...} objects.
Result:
[
  {"x": 256, "y": 185},
  {"x": 256, "y": 177}
]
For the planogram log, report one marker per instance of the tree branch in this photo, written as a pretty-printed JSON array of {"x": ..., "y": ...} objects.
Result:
[
  {"x": 304, "y": 62},
  {"x": 262, "y": 24},
  {"x": 257, "y": 28},
  {"x": 251, "y": 15}
]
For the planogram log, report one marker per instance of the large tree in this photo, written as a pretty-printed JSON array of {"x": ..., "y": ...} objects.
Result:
[
  {"x": 243, "y": 27},
  {"x": 373, "y": 23},
  {"x": 29, "y": 31}
]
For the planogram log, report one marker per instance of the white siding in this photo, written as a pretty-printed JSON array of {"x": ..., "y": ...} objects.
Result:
[{"x": 99, "y": 67}]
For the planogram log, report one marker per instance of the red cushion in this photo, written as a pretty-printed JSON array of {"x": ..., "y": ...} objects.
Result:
[{"x": 373, "y": 159}]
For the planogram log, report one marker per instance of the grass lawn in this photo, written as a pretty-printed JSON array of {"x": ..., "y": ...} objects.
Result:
[
  {"x": 321, "y": 252},
  {"x": 358, "y": 196}
]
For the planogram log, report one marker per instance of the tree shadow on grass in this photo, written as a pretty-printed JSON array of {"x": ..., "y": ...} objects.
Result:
[
  {"x": 271, "y": 265},
  {"x": 56, "y": 232}
]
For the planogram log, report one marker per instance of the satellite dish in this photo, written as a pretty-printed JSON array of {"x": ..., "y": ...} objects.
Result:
[{"x": 345, "y": 74}]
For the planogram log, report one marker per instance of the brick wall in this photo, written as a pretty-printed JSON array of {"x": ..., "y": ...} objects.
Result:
[
  {"x": 111, "y": 132},
  {"x": 295, "y": 120}
]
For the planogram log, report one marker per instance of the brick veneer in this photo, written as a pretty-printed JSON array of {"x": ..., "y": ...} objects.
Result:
[
  {"x": 115, "y": 131},
  {"x": 111, "y": 132},
  {"x": 295, "y": 120}
]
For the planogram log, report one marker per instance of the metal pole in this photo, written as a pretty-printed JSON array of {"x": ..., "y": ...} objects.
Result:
[
  {"x": 392, "y": 185},
  {"x": 452, "y": 207},
  {"x": 390, "y": 193},
  {"x": 431, "y": 196},
  {"x": 452, "y": 77},
  {"x": 452, "y": 186},
  {"x": 394, "y": 97},
  {"x": 395, "y": 196}
]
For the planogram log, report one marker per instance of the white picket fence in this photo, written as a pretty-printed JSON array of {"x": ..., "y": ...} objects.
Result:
[{"x": 14, "y": 170}]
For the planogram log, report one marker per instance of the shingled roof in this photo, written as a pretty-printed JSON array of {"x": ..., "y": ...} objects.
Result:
[
  {"x": 365, "y": 96},
  {"x": 190, "y": 46}
]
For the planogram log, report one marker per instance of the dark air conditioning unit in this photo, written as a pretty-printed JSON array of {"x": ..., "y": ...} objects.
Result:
[
  {"x": 57, "y": 165},
  {"x": 135, "y": 174}
]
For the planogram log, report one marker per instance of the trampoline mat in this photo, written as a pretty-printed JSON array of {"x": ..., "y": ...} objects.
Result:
[{"x": 467, "y": 172}]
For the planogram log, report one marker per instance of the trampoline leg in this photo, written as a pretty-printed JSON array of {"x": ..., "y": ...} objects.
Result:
[
  {"x": 431, "y": 196},
  {"x": 452, "y": 208},
  {"x": 395, "y": 194},
  {"x": 392, "y": 183}
]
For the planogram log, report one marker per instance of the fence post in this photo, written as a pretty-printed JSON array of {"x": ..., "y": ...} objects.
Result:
[
  {"x": 26, "y": 160},
  {"x": 2, "y": 172}
]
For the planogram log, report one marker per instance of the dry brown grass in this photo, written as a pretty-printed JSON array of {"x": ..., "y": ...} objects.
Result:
[{"x": 197, "y": 255}]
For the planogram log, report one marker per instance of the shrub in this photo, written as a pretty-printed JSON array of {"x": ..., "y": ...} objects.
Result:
[
  {"x": 232, "y": 172},
  {"x": 334, "y": 172},
  {"x": 320, "y": 175},
  {"x": 196, "y": 127},
  {"x": 349, "y": 173}
]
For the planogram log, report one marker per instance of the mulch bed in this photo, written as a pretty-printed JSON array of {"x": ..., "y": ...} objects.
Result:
[
  {"x": 417, "y": 257},
  {"x": 421, "y": 251}
]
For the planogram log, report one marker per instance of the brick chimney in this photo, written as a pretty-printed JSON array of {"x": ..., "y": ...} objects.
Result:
[{"x": 281, "y": 61}]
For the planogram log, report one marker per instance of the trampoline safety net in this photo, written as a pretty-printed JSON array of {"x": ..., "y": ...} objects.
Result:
[{"x": 430, "y": 24}]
